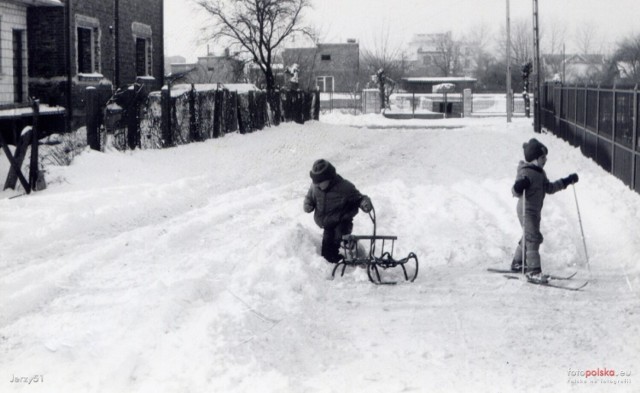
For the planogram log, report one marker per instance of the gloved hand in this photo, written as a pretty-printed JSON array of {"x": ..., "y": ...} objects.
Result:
[
  {"x": 521, "y": 184},
  {"x": 365, "y": 204},
  {"x": 571, "y": 179}
]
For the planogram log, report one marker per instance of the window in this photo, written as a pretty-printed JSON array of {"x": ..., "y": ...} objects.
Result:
[
  {"x": 87, "y": 45},
  {"x": 141, "y": 56},
  {"x": 324, "y": 83},
  {"x": 325, "y": 57},
  {"x": 143, "y": 49},
  {"x": 85, "y": 51}
]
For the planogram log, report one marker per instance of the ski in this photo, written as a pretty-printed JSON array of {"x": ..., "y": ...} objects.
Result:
[
  {"x": 551, "y": 276},
  {"x": 573, "y": 285}
]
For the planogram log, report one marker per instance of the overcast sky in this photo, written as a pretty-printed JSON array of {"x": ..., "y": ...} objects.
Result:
[{"x": 339, "y": 20}]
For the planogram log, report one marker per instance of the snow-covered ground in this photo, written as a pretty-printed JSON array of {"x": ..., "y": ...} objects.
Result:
[{"x": 194, "y": 269}]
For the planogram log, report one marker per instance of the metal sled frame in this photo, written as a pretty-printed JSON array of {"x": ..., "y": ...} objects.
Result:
[{"x": 374, "y": 261}]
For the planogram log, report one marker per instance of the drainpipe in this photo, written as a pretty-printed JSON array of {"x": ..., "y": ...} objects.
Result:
[
  {"x": 116, "y": 27},
  {"x": 162, "y": 70}
]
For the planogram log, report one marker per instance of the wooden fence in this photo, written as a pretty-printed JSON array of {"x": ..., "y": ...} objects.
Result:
[
  {"x": 179, "y": 115},
  {"x": 602, "y": 121}
]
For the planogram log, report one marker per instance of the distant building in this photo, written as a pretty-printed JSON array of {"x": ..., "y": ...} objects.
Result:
[
  {"x": 168, "y": 60},
  {"x": 427, "y": 54},
  {"x": 573, "y": 68},
  {"x": 225, "y": 68},
  {"x": 328, "y": 67}
]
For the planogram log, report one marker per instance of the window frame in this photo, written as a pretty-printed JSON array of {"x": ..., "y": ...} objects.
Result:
[
  {"x": 141, "y": 31},
  {"x": 93, "y": 25},
  {"x": 325, "y": 79}
]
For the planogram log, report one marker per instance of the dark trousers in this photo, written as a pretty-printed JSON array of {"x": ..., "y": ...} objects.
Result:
[{"x": 332, "y": 238}]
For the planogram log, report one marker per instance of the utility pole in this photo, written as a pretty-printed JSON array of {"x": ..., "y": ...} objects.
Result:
[
  {"x": 537, "y": 127},
  {"x": 509, "y": 108}
]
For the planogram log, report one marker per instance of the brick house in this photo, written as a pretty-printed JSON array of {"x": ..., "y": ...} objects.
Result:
[
  {"x": 329, "y": 67},
  {"x": 64, "y": 46},
  {"x": 225, "y": 68}
]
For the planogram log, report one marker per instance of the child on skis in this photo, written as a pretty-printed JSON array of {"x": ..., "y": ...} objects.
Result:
[
  {"x": 335, "y": 202},
  {"x": 532, "y": 185}
]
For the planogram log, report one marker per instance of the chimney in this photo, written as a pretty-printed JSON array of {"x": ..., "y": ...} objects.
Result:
[{"x": 351, "y": 40}]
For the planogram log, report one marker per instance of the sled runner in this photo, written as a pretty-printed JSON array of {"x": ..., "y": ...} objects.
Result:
[{"x": 378, "y": 258}]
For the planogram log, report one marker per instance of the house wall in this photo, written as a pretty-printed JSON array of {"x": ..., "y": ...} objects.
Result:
[
  {"x": 147, "y": 13},
  {"x": 343, "y": 65},
  {"x": 48, "y": 80},
  {"x": 12, "y": 16},
  {"x": 136, "y": 18}
]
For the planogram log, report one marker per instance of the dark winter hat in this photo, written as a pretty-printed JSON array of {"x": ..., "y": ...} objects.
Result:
[
  {"x": 322, "y": 170},
  {"x": 533, "y": 149}
]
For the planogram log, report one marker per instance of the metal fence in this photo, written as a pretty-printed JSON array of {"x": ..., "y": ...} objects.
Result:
[
  {"x": 341, "y": 102},
  {"x": 481, "y": 104},
  {"x": 603, "y": 122}
]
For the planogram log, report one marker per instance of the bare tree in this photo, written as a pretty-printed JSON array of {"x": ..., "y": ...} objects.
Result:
[
  {"x": 258, "y": 27},
  {"x": 383, "y": 54},
  {"x": 447, "y": 59},
  {"x": 384, "y": 62},
  {"x": 480, "y": 38},
  {"x": 585, "y": 37},
  {"x": 553, "y": 35},
  {"x": 627, "y": 59},
  {"x": 521, "y": 41}
]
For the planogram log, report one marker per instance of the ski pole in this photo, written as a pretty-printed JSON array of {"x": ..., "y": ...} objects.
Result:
[
  {"x": 524, "y": 233},
  {"x": 584, "y": 242}
]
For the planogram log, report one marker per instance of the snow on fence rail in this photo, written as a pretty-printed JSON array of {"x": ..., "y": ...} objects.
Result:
[{"x": 189, "y": 113}]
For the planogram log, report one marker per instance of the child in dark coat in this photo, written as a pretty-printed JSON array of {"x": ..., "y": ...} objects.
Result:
[
  {"x": 532, "y": 181},
  {"x": 335, "y": 202}
]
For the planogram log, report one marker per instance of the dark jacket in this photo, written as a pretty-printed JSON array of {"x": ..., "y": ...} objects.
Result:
[
  {"x": 339, "y": 202},
  {"x": 539, "y": 187}
]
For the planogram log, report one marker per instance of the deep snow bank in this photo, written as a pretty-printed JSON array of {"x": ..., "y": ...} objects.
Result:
[{"x": 195, "y": 269}]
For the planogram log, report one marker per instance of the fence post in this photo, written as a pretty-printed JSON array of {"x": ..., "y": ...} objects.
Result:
[
  {"x": 413, "y": 104},
  {"x": 331, "y": 101},
  {"x": 194, "y": 135},
  {"x": 559, "y": 112},
  {"x": 575, "y": 113},
  {"x": 613, "y": 130},
  {"x": 316, "y": 109},
  {"x": 133, "y": 118},
  {"x": 165, "y": 123},
  {"x": 91, "y": 118},
  {"x": 584, "y": 119},
  {"x": 598, "y": 124},
  {"x": 634, "y": 143},
  {"x": 35, "y": 139}
]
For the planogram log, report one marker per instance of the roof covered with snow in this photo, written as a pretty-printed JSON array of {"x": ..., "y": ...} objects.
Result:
[
  {"x": 443, "y": 79},
  {"x": 41, "y": 3}
]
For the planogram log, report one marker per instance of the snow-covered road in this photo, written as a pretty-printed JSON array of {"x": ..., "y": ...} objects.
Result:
[{"x": 194, "y": 269}]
